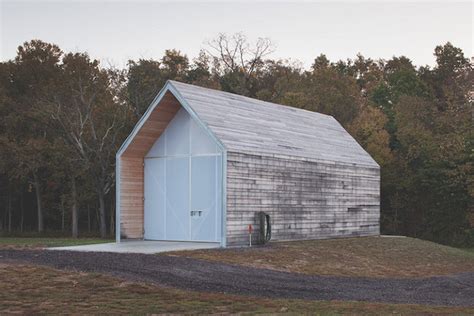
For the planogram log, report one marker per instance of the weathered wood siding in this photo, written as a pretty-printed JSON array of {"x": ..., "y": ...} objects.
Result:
[
  {"x": 131, "y": 197},
  {"x": 131, "y": 167},
  {"x": 305, "y": 199}
]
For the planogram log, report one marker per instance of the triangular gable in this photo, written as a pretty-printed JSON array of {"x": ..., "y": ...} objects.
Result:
[{"x": 167, "y": 94}]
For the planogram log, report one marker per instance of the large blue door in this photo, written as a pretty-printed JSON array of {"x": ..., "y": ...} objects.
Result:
[{"x": 183, "y": 184}]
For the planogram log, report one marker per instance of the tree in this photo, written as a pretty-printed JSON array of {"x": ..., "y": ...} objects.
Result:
[
  {"x": 327, "y": 91},
  {"x": 144, "y": 79},
  {"x": 33, "y": 74},
  {"x": 400, "y": 78},
  {"x": 91, "y": 119},
  {"x": 368, "y": 128},
  {"x": 175, "y": 65},
  {"x": 277, "y": 80},
  {"x": 199, "y": 72},
  {"x": 450, "y": 79},
  {"x": 237, "y": 61}
]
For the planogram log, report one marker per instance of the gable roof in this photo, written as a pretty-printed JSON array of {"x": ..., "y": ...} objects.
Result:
[{"x": 247, "y": 125}]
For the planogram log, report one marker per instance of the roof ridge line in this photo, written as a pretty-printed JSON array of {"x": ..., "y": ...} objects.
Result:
[{"x": 253, "y": 99}]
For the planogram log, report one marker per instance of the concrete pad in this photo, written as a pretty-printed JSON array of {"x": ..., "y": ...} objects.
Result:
[{"x": 140, "y": 246}]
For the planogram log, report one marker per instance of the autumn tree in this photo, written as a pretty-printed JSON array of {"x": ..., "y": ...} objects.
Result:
[
  {"x": 85, "y": 108},
  {"x": 146, "y": 77},
  {"x": 326, "y": 90},
  {"x": 434, "y": 133},
  {"x": 33, "y": 74}
]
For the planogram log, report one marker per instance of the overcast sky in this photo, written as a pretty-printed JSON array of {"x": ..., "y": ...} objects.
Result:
[{"x": 116, "y": 31}]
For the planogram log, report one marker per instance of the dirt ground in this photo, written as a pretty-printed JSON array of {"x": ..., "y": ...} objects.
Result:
[{"x": 214, "y": 277}]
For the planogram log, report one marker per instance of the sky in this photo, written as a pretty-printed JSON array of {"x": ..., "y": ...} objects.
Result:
[{"x": 117, "y": 31}]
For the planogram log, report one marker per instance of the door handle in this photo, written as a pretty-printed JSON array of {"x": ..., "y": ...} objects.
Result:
[{"x": 196, "y": 213}]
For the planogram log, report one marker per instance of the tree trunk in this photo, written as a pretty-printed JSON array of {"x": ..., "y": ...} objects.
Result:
[
  {"x": 22, "y": 211},
  {"x": 102, "y": 223},
  {"x": 88, "y": 218},
  {"x": 38, "y": 203},
  {"x": 96, "y": 225},
  {"x": 1, "y": 221},
  {"x": 62, "y": 214},
  {"x": 1, "y": 215},
  {"x": 112, "y": 222},
  {"x": 9, "y": 211},
  {"x": 74, "y": 214}
]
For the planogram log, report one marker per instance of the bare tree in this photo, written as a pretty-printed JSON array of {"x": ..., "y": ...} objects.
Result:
[{"x": 236, "y": 53}]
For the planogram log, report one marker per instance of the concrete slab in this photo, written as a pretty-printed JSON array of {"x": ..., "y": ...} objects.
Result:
[{"x": 140, "y": 246}]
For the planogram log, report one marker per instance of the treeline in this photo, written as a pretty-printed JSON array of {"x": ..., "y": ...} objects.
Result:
[{"x": 63, "y": 117}]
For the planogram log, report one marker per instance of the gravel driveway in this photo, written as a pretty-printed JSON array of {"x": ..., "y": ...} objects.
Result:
[{"x": 193, "y": 274}]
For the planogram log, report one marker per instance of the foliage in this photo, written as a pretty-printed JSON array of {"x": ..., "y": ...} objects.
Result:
[{"x": 63, "y": 117}]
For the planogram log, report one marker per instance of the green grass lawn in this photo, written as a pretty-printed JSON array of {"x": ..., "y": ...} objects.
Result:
[{"x": 41, "y": 242}]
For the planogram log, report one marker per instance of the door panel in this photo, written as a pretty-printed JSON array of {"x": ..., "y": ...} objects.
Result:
[
  {"x": 154, "y": 221},
  {"x": 183, "y": 184},
  {"x": 177, "y": 198},
  {"x": 204, "y": 200}
]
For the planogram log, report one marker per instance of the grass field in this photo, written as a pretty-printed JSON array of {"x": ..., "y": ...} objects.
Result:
[
  {"x": 29, "y": 289},
  {"x": 365, "y": 257},
  {"x": 41, "y": 242}
]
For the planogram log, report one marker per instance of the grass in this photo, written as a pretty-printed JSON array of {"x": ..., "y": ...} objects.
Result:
[
  {"x": 41, "y": 242},
  {"x": 361, "y": 257},
  {"x": 27, "y": 289}
]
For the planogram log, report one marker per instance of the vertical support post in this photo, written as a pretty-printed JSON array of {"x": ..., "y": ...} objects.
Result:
[
  {"x": 250, "y": 235},
  {"x": 117, "y": 198}
]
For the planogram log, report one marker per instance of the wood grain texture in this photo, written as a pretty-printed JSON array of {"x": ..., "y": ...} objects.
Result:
[
  {"x": 131, "y": 167},
  {"x": 153, "y": 127},
  {"x": 305, "y": 199}
]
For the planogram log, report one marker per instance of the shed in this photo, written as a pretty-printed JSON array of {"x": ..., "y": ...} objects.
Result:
[{"x": 201, "y": 163}]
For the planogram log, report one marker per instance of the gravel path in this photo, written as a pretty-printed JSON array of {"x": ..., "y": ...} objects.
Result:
[{"x": 193, "y": 274}]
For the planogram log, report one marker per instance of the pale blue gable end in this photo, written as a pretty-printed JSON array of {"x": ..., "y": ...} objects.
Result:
[
  {"x": 183, "y": 184},
  {"x": 183, "y": 136}
]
